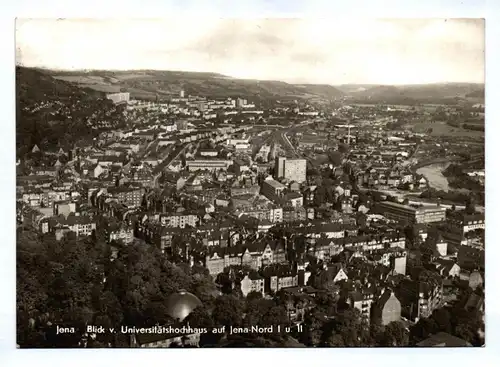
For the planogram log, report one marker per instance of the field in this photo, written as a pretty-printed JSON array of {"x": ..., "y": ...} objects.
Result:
[
  {"x": 434, "y": 175},
  {"x": 311, "y": 138},
  {"x": 146, "y": 83},
  {"x": 440, "y": 128},
  {"x": 98, "y": 83}
]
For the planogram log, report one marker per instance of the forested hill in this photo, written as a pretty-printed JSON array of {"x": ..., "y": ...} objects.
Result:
[
  {"x": 49, "y": 111},
  {"x": 33, "y": 86}
]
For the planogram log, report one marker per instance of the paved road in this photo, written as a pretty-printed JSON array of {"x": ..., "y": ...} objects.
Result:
[{"x": 167, "y": 162}]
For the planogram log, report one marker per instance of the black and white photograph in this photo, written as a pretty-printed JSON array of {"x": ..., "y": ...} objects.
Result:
[{"x": 250, "y": 183}]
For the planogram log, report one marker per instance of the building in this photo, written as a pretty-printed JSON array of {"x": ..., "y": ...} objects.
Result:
[
  {"x": 291, "y": 214},
  {"x": 179, "y": 306},
  {"x": 290, "y": 169},
  {"x": 469, "y": 222},
  {"x": 123, "y": 234},
  {"x": 81, "y": 226},
  {"x": 278, "y": 282},
  {"x": 279, "y": 167},
  {"x": 208, "y": 164},
  {"x": 252, "y": 282},
  {"x": 118, "y": 98},
  {"x": 272, "y": 189},
  {"x": 64, "y": 208},
  {"x": 412, "y": 215},
  {"x": 240, "y": 102},
  {"x": 387, "y": 308},
  {"x": 398, "y": 262},
  {"x": 179, "y": 220},
  {"x": 443, "y": 339},
  {"x": 361, "y": 301},
  {"x": 419, "y": 298},
  {"x": 131, "y": 197},
  {"x": 294, "y": 199}
]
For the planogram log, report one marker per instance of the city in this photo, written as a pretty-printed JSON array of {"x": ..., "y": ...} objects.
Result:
[{"x": 179, "y": 209}]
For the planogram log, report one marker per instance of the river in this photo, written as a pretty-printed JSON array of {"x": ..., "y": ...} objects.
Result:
[{"x": 434, "y": 175}]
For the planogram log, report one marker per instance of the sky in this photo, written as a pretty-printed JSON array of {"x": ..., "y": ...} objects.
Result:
[{"x": 309, "y": 50}]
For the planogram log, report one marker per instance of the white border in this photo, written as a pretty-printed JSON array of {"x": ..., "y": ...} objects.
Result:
[{"x": 9, "y": 356}]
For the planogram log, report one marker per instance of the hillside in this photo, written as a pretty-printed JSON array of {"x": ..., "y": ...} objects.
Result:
[
  {"x": 34, "y": 85},
  {"x": 49, "y": 111},
  {"x": 424, "y": 93},
  {"x": 149, "y": 83}
]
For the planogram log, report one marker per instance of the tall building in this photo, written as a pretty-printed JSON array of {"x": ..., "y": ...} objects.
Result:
[
  {"x": 291, "y": 169},
  {"x": 181, "y": 93},
  {"x": 240, "y": 102},
  {"x": 279, "y": 167}
]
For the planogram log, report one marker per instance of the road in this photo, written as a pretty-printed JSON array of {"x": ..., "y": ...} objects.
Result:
[
  {"x": 276, "y": 136},
  {"x": 281, "y": 137},
  {"x": 167, "y": 162}
]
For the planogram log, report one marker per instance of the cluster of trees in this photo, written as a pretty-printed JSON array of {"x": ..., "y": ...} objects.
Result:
[
  {"x": 475, "y": 127},
  {"x": 460, "y": 180},
  {"x": 232, "y": 310},
  {"x": 454, "y": 196},
  {"x": 346, "y": 328},
  {"x": 455, "y": 320},
  {"x": 63, "y": 110},
  {"x": 74, "y": 283}
]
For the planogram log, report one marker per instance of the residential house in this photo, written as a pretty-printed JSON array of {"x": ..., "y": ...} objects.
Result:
[
  {"x": 252, "y": 282},
  {"x": 387, "y": 308}
]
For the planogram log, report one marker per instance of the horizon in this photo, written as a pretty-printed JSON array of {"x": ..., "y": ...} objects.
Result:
[
  {"x": 236, "y": 78},
  {"x": 297, "y": 51}
]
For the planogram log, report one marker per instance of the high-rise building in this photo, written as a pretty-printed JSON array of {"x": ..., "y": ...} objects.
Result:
[
  {"x": 240, "y": 102},
  {"x": 279, "y": 167},
  {"x": 181, "y": 93},
  {"x": 291, "y": 169}
]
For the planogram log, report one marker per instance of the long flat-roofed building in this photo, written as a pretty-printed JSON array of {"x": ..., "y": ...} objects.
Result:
[
  {"x": 208, "y": 164},
  {"x": 118, "y": 97},
  {"x": 272, "y": 189},
  {"x": 425, "y": 214}
]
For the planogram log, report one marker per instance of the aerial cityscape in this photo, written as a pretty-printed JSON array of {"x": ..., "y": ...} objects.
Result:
[{"x": 246, "y": 188}]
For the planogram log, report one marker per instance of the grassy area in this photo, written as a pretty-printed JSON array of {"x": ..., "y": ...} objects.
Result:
[{"x": 441, "y": 128}]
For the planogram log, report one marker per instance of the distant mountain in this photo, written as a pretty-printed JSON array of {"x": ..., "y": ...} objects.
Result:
[
  {"x": 479, "y": 93},
  {"x": 149, "y": 83},
  {"x": 353, "y": 88},
  {"x": 325, "y": 90},
  {"x": 424, "y": 93}
]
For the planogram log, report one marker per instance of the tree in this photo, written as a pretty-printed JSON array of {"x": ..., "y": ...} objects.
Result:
[
  {"x": 470, "y": 207},
  {"x": 442, "y": 319},
  {"x": 227, "y": 311},
  {"x": 422, "y": 330},
  {"x": 334, "y": 340},
  {"x": 314, "y": 322},
  {"x": 361, "y": 219},
  {"x": 353, "y": 328},
  {"x": 254, "y": 296},
  {"x": 335, "y": 158},
  {"x": 200, "y": 318},
  {"x": 395, "y": 335},
  {"x": 343, "y": 148}
]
